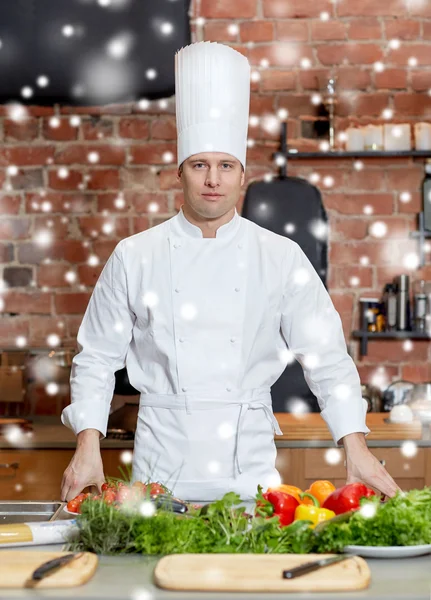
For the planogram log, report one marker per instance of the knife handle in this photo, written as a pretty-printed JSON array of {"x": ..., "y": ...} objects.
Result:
[
  {"x": 51, "y": 565},
  {"x": 301, "y": 570}
]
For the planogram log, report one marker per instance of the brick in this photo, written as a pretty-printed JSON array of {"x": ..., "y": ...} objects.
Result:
[
  {"x": 14, "y": 228},
  {"x": 421, "y": 80},
  {"x": 152, "y": 153},
  {"x": 79, "y": 153},
  {"x": 313, "y": 79},
  {"x": 387, "y": 274},
  {"x": 378, "y": 252},
  {"x": 136, "y": 128},
  {"x": 420, "y": 8},
  {"x": 414, "y": 206},
  {"x": 393, "y": 351},
  {"x": 297, "y": 104},
  {"x": 139, "y": 201},
  {"x": 97, "y": 129},
  {"x": 218, "y": 31},
  {"x": 343, "y": 277},
  {"x": 417, "y": 373},
  {"x": 356, "y": 54},
  {"x": 328, "y": 30},
  {"x": 391, "y": 79},
  {"x": 69, "y": 250},
  {"x": 343, "y": 304},
  {"x": 407, "y": 178},
  {"x": 104, "y": 248},
  {"x": 55, "y": 224},
  {"x": 41, "y": 327},
  {"x": 6, "y": 253},
  {"x": 74, "y": 202},
  {"x": 140, "y": 224},
  {"x": 31, "y": 303},
  {"x": 24, "y": 156},
  {"x": 226, "y": 9},
  {"x": 371, "y": 104},
  {"x": 163, "y": 128},
  {"x": 296, "y": 8},
  {"x": 104, "y": 179},
  {"x": 261, "y": 104},
  {"x": 17, "y": 276},
  {"x": 400, "y": 56},
  {"x": 275, "y": 79},
  {"x": 89, "y": 275},
  {"x": 99, "y": 110},
  {"x": 365, "y": 29},
  {"x": 403, "y": 29},
  {"x": 143, "y": 177},
  {"x": 64, "y": 132},
  {"x": 354, "y": 204},
  {"x": 71, "y": 303},
  {"x": 348, "y": 229},
  {"x": 28, "y": 179},
  {"x": 11, "y": 328},
  {"x": 168, "y": 179},
  {"x": 72, "y": 325},
  {"x": 398, "y": 227},
  {"x": 373, "y": 180},
  {"x": 412, "y": 104},
  {"x": 260, "y": 153},
  {"x": 391, "y": 8},
  {"x": 9, "y": 205},
  {"x": 23, "y": 131},
  {"x": 291, "y": 31},
  {"x": 88, "y": 225},
  {"x": 281, "y": 54},
  {"x": 368, "y": 373},
  {"x": 53, "y": 275},
  {"x": 71, "y": 182},
  {"x": 426, "y": 30},
  {"x": 256, "y": 31},
  {"x": 106, "y": 202}
]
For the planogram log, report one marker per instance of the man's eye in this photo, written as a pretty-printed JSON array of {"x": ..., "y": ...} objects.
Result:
[
  {"x": 229, "y": 165},
  {"x": 197, "y": 164}
]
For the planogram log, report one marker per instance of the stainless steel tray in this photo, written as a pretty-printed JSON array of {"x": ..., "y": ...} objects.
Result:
[{"x": 28, "y": 512}]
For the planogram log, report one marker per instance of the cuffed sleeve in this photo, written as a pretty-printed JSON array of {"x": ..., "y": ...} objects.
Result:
[
  {"x": 313, "y": 331},
  {"x": 103, "y": 341}
]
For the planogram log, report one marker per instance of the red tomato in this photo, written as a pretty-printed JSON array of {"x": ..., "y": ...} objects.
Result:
[
  {"x": 73, "y": 506},
  {"x": 156, "y": 489},
  {"x": 109, "y": 496}
]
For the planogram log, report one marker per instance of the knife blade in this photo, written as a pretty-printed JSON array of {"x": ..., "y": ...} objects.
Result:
[
  {"x": 314, "y": 565},
  {"x": 50, "y": 567}
]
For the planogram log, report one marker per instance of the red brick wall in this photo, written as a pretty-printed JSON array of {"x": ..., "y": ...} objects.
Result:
[{"x": 350, "y": 38}]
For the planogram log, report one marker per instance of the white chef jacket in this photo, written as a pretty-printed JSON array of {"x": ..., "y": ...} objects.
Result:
[{"x": 205, "y": 327}]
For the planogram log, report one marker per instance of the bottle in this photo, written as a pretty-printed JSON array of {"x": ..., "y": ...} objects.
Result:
[
  {"x": 426, "y": 195},
  {"x": 390, "y": 303},
  {"x": 420, "y": 305},
  {"x": 403, "y": 303}
]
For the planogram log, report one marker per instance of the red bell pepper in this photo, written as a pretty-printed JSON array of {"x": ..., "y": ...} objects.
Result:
[
  {"x": 347, "y": 497},
  {"x": 277, "y": 504}
]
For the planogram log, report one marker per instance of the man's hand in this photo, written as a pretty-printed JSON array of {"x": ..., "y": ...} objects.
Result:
[
  {"x": 364, "y": 467},
  {"x": 86, "y": 466}
]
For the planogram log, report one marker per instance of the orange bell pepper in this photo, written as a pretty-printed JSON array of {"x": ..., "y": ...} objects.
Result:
[
  {"x": 292, "y": 490},
  {"x": 320, "y": 489}
]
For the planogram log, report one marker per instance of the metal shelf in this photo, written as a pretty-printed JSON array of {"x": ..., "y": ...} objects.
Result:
[
  {"x": 359, "y": 154},
  {"x": 364, "y": 336}
]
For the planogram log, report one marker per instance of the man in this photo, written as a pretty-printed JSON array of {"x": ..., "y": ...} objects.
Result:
[{"x": 202, "y": 309}]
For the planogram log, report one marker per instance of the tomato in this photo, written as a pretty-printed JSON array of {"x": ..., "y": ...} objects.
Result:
[
  {"x": 109, "y": 496},
  {"x": 73, "y": 506},
  {"x": 156, "y": 489}
]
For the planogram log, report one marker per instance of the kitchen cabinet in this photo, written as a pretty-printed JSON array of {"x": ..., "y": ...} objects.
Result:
[
  {"x": 302, "y": 466},
  {"x": 36, "y": 474}
]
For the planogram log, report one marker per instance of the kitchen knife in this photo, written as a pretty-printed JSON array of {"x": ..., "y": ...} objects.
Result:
[
  {"x": 50, "y": 567},
  {"x": 314, "y": 565}
]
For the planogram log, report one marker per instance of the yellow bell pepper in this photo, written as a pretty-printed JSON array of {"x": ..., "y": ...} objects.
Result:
[{"x": 314, "y": 512}]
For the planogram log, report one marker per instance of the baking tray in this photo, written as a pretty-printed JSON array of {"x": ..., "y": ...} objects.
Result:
[{"x": 28, "y": 512}]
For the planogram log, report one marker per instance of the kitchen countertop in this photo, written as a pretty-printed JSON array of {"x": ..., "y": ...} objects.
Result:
[
  {"x": 299, "y": 431},
  {"x": 130, "y": 578}
]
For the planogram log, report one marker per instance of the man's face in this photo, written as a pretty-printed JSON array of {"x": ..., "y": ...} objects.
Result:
[{"x": 209, "y": 173}]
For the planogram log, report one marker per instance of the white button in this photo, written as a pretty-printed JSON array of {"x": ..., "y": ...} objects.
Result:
[
  {"x": 184, "y": 389},
  {"x": 233, "y": 339},
  {"x": 237, "y": 289},
  {"x": 177, "y": 290},
  {"x": 240, "y": 246},
  {"x": 181, "y": 340},
  {"x": 229, "y": 389},
  {"x": 177, "y": 245}
]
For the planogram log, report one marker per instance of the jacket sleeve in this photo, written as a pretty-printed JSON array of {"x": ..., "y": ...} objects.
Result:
[
  {"x": 313, "y": 331},
  {"x": 103, "y": 340}
]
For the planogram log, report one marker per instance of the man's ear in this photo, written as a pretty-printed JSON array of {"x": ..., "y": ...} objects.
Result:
[
  {"x": 178, "y": 175},
  {"x": 242, "y": 178}
]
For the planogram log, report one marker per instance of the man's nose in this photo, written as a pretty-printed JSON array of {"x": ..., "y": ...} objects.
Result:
[{"x": 213, "y": 177}]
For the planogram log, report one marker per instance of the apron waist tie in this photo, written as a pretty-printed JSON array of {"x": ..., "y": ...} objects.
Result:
[{"x": 242, "y": 413}]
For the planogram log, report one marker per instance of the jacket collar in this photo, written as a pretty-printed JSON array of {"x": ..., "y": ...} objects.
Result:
[{"x": 182, "y": 227}]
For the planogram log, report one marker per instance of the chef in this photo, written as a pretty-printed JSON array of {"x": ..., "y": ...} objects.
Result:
[{"x": 205, "y": 310}]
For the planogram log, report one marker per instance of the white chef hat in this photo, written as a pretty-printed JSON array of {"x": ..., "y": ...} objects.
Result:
[{"x": 212, "y": 96}]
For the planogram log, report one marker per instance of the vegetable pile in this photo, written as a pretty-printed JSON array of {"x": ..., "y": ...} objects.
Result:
[{"x": 286, "y": 520}]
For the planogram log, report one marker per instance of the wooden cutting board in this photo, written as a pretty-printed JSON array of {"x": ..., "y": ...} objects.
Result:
[
  {"x": 257, "y": 573},
  {"x": 16, "y": 566}
]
